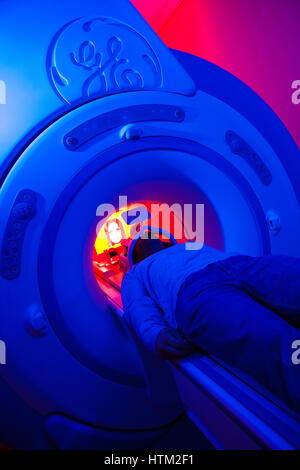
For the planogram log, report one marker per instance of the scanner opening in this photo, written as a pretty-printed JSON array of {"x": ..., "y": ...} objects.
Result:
[{"x": 112, "y": 256}]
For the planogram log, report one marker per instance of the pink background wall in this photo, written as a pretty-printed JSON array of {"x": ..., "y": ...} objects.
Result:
[{"x": 256, "y": 40}]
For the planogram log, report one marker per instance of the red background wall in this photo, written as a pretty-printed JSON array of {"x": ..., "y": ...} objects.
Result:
[{"x": 256, "y": 40}]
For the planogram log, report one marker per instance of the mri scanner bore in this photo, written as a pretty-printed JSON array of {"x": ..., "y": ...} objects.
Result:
[
  {"x": 117, "y": 234},
  {"x": 114, "y": 112}
]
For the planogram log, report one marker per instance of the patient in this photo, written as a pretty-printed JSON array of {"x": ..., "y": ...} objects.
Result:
[{"x": 243, "y": 310}]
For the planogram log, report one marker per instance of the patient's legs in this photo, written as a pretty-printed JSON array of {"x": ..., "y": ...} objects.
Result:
[
  {"x": 216, "y": 314},
  {"x": 273, "y": 280}
]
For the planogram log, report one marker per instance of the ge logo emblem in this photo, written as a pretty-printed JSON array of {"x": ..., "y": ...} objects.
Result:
[{"x": 95, "y": 57}]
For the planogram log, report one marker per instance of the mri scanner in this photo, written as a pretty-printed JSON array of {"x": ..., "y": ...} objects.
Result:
[{"x": 97, "y": 107}]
